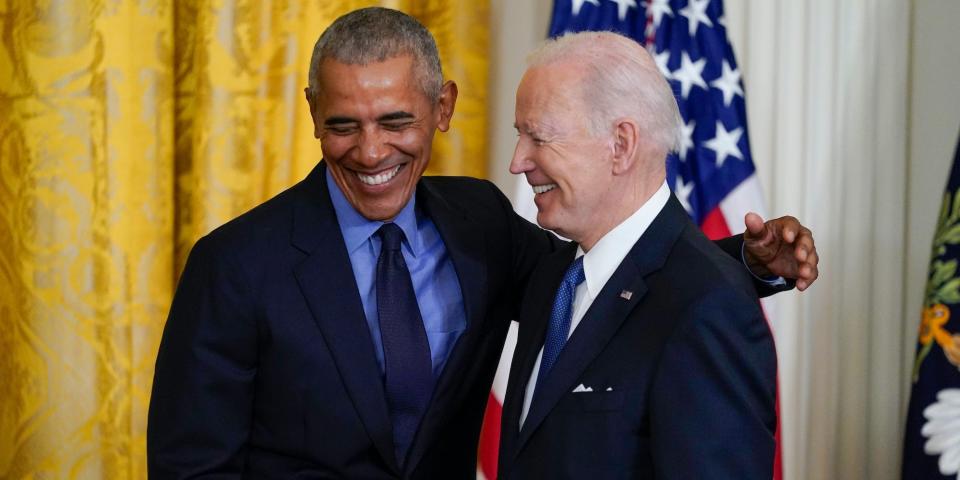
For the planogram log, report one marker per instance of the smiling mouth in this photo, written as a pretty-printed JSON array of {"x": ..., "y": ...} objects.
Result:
[
  {"x": 380, "y": 178},
  {"x": 538, "y": 189}
]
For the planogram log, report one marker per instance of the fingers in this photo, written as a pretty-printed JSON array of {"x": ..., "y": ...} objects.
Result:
[
  {"x": 754, "y": 224},
  {"x": 782, "y": 246},
  {"x": 804, "y": 243},
  {"x": 760, "y": 236},
  {"x": 790, "y": 228},
  {"x": 808, "y": 271},
  {"x": 789, "y": 234}
]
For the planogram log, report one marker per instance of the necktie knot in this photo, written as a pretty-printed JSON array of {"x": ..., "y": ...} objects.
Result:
[
  {"x": 575, "y": 275},
  {"x": 391, "y": 235}
]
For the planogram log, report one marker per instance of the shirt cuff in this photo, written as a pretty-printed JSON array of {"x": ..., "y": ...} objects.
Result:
[{"x": 771, "y": 281}]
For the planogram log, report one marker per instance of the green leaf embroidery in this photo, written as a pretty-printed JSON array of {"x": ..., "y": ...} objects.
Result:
[
  {"x": 949, "y": 293},
  {"x": 948, "y": 233}
]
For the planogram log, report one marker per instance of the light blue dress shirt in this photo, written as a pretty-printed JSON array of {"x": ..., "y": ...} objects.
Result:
[{"x": 435, "y": 281}]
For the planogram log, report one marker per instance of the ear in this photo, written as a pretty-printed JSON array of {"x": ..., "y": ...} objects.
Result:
[
  {"x": 312, "y": 102},
  {"x": 447, "y": 102},
  {"x": 626, "y": 143}
]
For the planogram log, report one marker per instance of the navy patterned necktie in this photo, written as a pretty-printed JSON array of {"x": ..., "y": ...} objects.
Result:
[
  {"x": 559, "y": 327},
  {"x": 408, "y": 367}
]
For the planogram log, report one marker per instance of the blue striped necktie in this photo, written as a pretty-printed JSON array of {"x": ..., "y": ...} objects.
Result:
[
  {"x": 559, "y": 327},
  {"x": 407, "y": 363}
]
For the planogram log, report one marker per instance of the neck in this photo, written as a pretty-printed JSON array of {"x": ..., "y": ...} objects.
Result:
[{"x": 623, "y": 202}]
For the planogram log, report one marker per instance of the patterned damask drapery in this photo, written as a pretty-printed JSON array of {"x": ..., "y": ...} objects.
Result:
[{"x": 127, "y": 130}]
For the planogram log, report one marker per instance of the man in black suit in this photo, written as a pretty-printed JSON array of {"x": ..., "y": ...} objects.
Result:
[
  {"x": 350, "y": 327},
  {"x": 642, "y": 350}
]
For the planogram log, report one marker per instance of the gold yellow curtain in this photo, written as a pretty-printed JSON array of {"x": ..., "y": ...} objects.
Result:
[{"x": 127, "y": 130}]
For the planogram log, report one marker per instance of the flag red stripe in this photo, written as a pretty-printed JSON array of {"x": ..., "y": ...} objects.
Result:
[
  {"x": 714, "y": 226},
  {"x": 490, "y": 438}
]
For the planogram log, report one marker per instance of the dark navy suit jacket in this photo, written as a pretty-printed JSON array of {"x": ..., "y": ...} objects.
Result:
[
  {"x": 266, "y": 368},
  {"x": 683, "y": 372}
]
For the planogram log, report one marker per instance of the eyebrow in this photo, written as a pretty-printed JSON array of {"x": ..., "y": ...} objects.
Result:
[
  {"x": 400, "y": 115},
  {"x": 338, "y": 120},
  {"x": 532, "y": 128},
  {"x": 388, "y": 117}
]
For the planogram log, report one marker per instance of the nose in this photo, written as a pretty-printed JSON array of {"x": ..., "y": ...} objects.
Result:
[
  {"x": 521, "y": 161},
  {"x": 373, "y": 148}
]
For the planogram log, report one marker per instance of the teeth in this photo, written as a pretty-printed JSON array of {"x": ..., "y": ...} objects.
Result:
[
  {"x": 380, "y": 178},
  {"x": 538, "y": 189}
]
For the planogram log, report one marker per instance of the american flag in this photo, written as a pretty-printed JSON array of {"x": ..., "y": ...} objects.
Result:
[{"x": 713, "y": 174}]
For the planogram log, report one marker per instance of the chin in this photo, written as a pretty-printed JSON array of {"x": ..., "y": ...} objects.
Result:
[
  {"x": 380, "y": 215},
  {"x": 383, "y": 211},
  {"x": 544, "y": 221}
]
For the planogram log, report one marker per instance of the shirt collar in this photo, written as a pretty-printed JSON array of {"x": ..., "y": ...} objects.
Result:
[
  {"x": 357, "y": 229},
  {"x": 607, "y": 254}
]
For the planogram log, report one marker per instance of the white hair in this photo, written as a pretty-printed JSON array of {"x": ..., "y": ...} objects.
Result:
[{"x": 621, "y": 81}]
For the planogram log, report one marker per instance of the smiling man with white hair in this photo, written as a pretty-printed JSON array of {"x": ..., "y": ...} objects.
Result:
[
  {"x": 642, "y": 352},
  {"x": 350, "y": 327}
]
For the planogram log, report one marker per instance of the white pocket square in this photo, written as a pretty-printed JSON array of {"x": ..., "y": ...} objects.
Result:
[{"x": 580, "y": 389}]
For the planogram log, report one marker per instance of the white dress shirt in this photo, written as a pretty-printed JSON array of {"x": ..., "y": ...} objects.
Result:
[{"x": 598, "y": 266}]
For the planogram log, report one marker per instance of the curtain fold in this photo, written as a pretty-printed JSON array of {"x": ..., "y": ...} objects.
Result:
[
  {"x": 827, "y": 88},
  {"x": 127, "y": 130}
]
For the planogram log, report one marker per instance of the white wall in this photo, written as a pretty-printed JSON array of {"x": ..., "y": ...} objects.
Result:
[{"x": 516, "y": 27}]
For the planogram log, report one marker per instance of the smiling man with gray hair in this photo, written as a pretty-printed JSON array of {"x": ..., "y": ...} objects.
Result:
[
  {"x": 350, "y": 327},
  {"x": 642, "y": 351}
]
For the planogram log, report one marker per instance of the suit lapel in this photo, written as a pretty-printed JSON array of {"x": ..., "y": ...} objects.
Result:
[
  {"x": 606, "y": 314},
  {"x": 324, "y": 278},
  {"x": 464, "y": 241},
  {"x": 530, "y": 337}
]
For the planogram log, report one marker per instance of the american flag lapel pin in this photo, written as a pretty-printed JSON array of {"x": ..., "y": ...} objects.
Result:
[{"x": 626, "y": 294}]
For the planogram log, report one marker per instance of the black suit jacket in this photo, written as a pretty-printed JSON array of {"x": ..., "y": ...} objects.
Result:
[
  {"x": 266, "y": 368},
  {"x": 683, "y": 372}
]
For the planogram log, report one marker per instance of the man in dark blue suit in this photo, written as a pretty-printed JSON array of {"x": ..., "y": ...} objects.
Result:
[
  {"x": 350, "y": 327},
  {"x": 642, "y": 350}
]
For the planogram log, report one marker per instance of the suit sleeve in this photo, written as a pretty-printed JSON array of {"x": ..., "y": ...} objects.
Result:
[
  {"x": 713, "y": 403},
  {"x": 529, "y": 243},
  {"x": 733, "y": 246},
  {"x": 200, "y": 409}
]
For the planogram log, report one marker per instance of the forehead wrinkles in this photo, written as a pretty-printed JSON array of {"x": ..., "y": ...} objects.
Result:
[
  {"x": 552, "y": 98},
  {"x": 347, "y": 78},
  {"x": 374, "y": 87}
]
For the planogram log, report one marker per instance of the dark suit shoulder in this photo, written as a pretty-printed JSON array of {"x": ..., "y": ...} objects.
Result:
[
  {"x": 254, "y": 248},
  {"x": 478, "y": 198},
  {"x": 261, "y": 223},
  {"x": 451, "y": 183},
  {"x": 701, "y": 266}
]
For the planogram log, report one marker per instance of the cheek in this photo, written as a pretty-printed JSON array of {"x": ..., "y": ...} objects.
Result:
[
  {"x": 411, "y": 142},
  {"x": 334, "y": 147}
]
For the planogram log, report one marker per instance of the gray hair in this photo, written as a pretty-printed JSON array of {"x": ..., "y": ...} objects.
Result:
[
  {"x": 375, "y": 34},
  {"x": 621, "y": 80}
]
